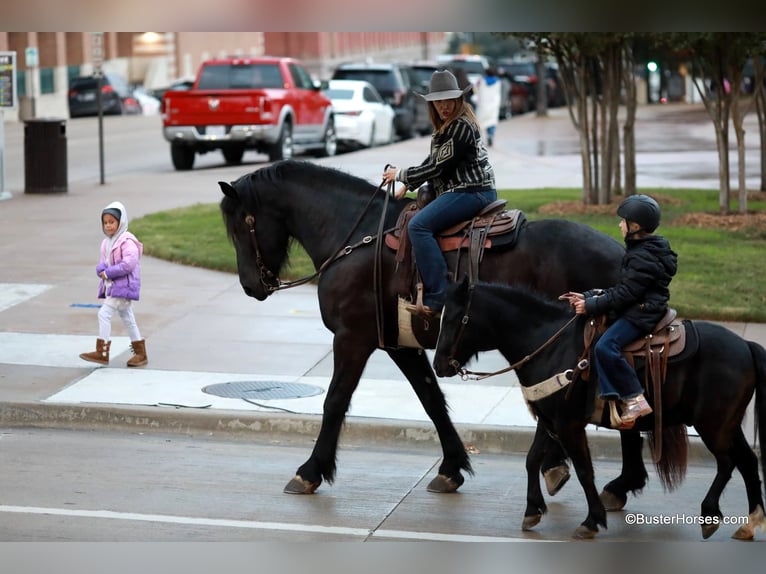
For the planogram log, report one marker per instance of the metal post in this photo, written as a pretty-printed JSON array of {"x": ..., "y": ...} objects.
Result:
[
  {"x": 100, "y": 129},
  {"x": 2, "y": 153}
]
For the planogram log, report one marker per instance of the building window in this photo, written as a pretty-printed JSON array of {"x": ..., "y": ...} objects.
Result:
[
  {"x": 47, "y": 84},
  {"x": 21, "y": 82}
]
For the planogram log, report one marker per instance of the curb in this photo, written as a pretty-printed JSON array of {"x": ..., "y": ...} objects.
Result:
[{"x": 294, "y": 429}]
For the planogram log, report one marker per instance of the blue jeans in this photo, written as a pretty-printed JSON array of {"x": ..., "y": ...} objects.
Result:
[
  {"x": 443, "y": 212},
  {"x": 616, "y": 378}
]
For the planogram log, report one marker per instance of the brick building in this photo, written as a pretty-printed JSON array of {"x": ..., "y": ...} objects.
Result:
[{"x": 153, "y": 59}]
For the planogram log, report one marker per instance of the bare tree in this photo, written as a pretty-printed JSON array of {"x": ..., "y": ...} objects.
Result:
[
  {"x": 719, "y": 58},
  {"x": 759, "y": 97}
]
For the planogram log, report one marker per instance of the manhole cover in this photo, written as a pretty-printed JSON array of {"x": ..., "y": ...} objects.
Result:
[{"x": 262, "y": 390}]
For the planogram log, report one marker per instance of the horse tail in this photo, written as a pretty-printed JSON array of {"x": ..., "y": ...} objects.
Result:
[
  {"x": 759, "y": 362},
  {"x": 671, "y": 468}
]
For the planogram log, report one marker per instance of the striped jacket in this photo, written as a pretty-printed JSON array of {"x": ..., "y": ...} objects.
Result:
[{"x": 458, "y": 161}]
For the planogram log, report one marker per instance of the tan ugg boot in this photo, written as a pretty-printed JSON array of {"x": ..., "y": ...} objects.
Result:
[
  {"x": 138, "y": 349},
  {"x": 100, "y": 355}
]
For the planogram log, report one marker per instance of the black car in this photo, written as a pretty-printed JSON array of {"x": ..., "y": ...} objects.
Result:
[
  {"x": 524, "y": 72},
  {"x": 421, "y": 73},
  {"x": 116, "y": 96},
  {"x": 394, "y": 83}
]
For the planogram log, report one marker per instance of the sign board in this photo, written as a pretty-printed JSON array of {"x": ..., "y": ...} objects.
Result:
[
  {"x": 8, "y": 97},
  {"x": 97, "y": 51},
  {"x": 31, "y": 55}
]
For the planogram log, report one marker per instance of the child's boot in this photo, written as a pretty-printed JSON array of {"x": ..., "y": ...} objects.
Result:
[
  {"x": 100, "y": 355},
  {"x": 139, "y": 359},
  {"x": 634, "y": 408}
]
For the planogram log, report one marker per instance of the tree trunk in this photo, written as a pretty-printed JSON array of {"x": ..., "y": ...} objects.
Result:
[
  {"x": 738, "y": 113},
  {"x": 542, "y": 85},
  {"x": 719, "y": 113},
  {"x": 629, "y": 134},
  {"x": 759, "y": 95}
]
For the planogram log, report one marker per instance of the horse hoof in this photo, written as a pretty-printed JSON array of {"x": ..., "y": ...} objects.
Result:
[
  {"x": 582, "y": 532},
  {"x": 299, "y": 486},
  {"x": 755, "y": 520},
  {"x": 744, "y": 532},
  {"x": 555, "y": 478},
  {"x": 442, "y": 484},
  {"x": 611, "y": 501},
  {"x": 530, "y": 522},
  {"x": 708, "y": 530}
]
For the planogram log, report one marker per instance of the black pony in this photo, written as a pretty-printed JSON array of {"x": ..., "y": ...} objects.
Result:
[
  {"x": 709, "y": 390},
  {"x": 336, "y": 217}
]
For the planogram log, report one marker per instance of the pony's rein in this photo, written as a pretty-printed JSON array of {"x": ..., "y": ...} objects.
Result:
[
  {"x": 465, "y": 374},
  {"x": 272, "y": 282}
]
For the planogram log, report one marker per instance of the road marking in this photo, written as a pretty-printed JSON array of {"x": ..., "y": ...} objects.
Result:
[
  {"x": 253, "y": 524},
  {"x": 14, "y": 293}
]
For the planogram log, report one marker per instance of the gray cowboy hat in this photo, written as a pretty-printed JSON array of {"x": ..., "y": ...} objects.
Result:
[{"x": 443, "y": 86}]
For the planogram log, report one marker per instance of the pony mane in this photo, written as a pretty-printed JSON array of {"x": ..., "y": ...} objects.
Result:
[{"x": 545, "y": 306}]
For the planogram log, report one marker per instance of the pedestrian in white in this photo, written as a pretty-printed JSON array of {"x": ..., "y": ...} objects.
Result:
[{"x": 488, "y": 106}]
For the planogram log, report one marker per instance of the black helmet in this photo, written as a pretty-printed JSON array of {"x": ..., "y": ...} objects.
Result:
[{"x": 642, "y": 209}]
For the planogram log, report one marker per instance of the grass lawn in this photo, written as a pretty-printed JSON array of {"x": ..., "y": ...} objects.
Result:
[{"x": 720, "y": 272}]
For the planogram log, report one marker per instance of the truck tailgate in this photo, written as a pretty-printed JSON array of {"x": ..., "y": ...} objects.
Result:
[{"x": 220, "y": 107}]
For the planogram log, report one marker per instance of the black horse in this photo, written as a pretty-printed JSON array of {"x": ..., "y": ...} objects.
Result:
[
  {"x": 335, "y": 217},
  {"x": 708, "y": 390}
]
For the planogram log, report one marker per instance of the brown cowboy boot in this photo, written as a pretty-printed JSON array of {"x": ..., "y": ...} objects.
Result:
[
  {"x": 100, "y": 355},
  {"x": 139, "y": 359}
]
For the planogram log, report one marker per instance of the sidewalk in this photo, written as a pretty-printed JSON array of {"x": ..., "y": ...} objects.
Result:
[{"x": 220, "y": 362}]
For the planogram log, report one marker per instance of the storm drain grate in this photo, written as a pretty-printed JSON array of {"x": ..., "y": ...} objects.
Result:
[{"x": 262, "y": 390}]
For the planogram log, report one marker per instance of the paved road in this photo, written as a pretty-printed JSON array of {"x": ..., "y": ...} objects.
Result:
[{"x": 77, "y": 486}]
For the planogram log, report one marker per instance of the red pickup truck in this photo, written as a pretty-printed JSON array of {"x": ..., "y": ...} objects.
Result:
[{"x": 266, "y": 104}]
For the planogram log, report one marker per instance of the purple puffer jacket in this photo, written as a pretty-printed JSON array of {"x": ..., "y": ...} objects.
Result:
[{"x": 125, "y": 274}]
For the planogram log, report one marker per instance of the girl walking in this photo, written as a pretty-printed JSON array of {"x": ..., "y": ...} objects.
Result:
[{"x": 119, "y": 269}]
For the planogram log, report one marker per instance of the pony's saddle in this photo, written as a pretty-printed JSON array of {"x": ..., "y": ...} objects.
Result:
[
  {"x": 671, "y": 338},
  {"x": 668, "y": 339},
  {"x": 493, "y": 227}
]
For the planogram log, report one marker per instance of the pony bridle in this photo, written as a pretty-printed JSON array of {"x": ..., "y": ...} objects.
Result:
[
  {"x": 269, "y": 280},
  {"x": 464, "y": 373}
]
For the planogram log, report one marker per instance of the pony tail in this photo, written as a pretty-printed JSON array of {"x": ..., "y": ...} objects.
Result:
[{"x": 671, "y": 468}]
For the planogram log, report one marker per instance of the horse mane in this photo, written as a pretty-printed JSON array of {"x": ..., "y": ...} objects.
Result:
[
  {"x": 546, "y": 308},
  {"x": 307, "y": 175}
]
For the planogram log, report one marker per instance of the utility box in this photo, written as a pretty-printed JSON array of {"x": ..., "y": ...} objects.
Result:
[{"x": 45, "y": 156}]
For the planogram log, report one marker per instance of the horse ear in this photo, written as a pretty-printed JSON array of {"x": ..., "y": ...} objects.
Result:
[{"x": 228, "y": 190}]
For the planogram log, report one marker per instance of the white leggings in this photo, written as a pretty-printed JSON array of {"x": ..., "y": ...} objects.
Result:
[{"x": 125, "y": 309}]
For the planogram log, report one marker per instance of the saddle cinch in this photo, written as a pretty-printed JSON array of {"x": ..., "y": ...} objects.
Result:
[{"x": 494, "y": 226}]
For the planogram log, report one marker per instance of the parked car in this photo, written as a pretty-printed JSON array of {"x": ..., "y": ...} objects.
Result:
[
  {"x": 524, "y": 72},
  {"x": 116, "y": 96},
  {"x": 268, "y": 104},
  {"x": 362, "y": 118},
  {"x": 393, "y": 82},
  {"x": 475, "y": 67},
  {"x": 150, "y": 106},
  {"x": 421, "y": 73}
]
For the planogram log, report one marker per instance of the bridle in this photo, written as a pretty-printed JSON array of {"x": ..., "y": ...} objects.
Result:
[
  {"x": 465, "y": 374},
  {"x": 271, "y": 281}
]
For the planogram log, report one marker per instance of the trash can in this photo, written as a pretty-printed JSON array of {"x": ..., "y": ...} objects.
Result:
[{"x": 45, "y": 156}]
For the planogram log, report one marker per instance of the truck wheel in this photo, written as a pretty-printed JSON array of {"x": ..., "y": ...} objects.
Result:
[
  {"x": 182, "y": 156},
  {"x": 233, "y": 155},
  {"x": 330, "y": 141},
  {"x": 283, "y": 148}
]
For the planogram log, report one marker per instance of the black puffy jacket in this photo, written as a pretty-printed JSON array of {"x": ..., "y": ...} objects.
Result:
[{"x": 642, "y": 293}]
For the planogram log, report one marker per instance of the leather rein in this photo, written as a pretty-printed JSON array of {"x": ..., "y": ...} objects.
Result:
[
  {"x": 466, "y": 374},
  {"x": 271, "y": 282}
]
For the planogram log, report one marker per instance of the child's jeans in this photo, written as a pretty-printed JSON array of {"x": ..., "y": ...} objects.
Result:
[{"x": 616, "y": 378}]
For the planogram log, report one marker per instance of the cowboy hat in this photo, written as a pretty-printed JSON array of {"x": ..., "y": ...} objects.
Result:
[{"x": 443, "y": 86}]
